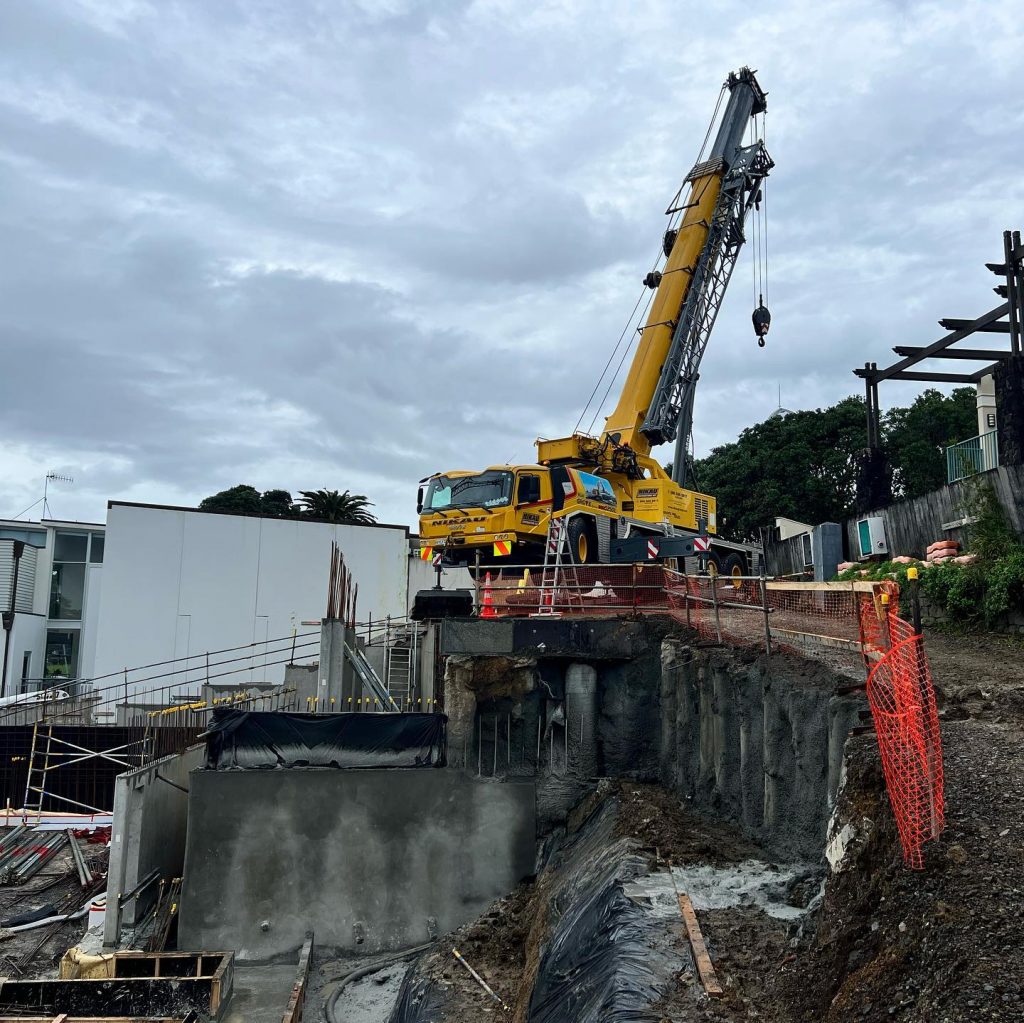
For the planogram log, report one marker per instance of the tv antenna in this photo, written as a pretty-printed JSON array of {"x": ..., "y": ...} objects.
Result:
[{"x": 53, "y": 477}]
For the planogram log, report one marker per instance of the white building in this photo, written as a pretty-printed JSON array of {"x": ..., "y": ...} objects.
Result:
[
  {"x": 49, "y": 630},
  {"x": 180, "y": 582}
]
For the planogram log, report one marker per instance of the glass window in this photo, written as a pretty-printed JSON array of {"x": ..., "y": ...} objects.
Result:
[
  {"x": 96, "y": 549},
  {"x": 529, "y": 490},
  {"x": 487, "y": 490},
  {"x": 70, "y": 547},
  {"x": 62, "y": 653},
  {"x": 67, "y": 592}
]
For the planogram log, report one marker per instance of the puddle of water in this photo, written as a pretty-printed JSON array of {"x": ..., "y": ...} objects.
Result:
[{"x": 750, "y": 883}]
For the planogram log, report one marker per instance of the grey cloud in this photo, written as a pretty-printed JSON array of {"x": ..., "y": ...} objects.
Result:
[{"x": 341, "y": 244}]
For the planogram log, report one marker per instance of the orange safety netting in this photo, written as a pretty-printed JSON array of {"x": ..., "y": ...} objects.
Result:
[
  {"x": 587, "y": 589},
  {"x": 903, "y": 707}
]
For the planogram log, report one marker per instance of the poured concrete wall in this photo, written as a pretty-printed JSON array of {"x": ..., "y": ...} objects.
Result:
[
  {"x": 150, "y": 821},
  {"x": 369, "y": 859}
]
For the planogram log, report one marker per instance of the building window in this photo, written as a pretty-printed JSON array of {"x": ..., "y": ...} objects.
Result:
[
  {"x": 62, "y": 653},
  {"x": 96, "y": 541},
  {"x": 67, "y": 583},
  {"x": 26, "y": 667},
  {"x": 70, "y": 547},
  {"x": 67, "y": 592}
]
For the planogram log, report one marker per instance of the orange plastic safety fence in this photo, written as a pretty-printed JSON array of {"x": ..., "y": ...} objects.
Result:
[
  {"x": 903, "y": 707},
  {"x": 586, "y": 590}
]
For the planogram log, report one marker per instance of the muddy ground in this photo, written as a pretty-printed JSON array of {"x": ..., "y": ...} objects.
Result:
[{"x": 886, "y": 943}]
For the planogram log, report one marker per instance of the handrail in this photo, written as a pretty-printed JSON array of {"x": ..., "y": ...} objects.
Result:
[{"x": 971, "y": 456}]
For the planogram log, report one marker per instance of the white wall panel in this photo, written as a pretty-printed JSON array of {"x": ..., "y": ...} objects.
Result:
[{"x": 180, "y": 582}]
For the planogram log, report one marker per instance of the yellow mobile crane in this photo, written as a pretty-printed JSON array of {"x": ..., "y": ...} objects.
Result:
[{"x": 617, "y": 501}]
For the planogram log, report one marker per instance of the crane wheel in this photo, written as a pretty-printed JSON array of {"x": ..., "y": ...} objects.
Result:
[
  {"x": 714, "y": 564},
  {"x": 582, "y": 541},
  {"x": 734, "y": 568}
]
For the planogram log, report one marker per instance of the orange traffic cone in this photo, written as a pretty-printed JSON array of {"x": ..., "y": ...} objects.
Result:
[{"x": 487, "y": 606}]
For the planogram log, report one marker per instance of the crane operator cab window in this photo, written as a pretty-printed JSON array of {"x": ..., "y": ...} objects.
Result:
[
  {"x": 485, "y": 490},
  {"x": 528, "y": 491}
]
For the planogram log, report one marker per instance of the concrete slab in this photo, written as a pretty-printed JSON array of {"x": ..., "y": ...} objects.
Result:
[{"x": 261, "y": 993}]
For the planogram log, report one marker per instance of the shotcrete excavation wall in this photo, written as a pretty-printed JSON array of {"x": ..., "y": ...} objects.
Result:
[
  {"x": 756, "y": 744},
  {"x": 759, "y": 742}
]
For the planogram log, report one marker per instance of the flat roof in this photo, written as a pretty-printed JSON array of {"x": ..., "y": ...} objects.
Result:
[
  {"x": 269, "y": 518},
  {"x": 51, "y": 524}
]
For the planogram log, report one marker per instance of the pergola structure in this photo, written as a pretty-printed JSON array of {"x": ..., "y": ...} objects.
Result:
[{"x": 1006, "y": 318}]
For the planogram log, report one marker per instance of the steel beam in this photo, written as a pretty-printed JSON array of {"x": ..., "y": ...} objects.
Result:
[
  {"x": 890, "y": 373},
  {"x": 932, "y": 378},
  {"x": 970, "y": 354},
  {"x": 951, "y": 323},
  {"x": 987, "y": 371}
]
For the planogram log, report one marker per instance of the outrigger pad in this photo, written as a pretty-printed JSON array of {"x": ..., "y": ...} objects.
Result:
[{"x": 435, "y": 604}]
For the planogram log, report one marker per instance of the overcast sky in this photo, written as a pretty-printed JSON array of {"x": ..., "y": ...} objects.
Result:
[{"x": 345, "y": 244}]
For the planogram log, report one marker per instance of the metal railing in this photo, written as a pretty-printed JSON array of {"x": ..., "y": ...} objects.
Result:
[{"x": 969, "y": 457}]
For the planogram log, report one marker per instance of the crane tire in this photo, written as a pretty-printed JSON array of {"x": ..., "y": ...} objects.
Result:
[
  {"x": 582, "y": 538},
  {"x": 734, "y": 567}
]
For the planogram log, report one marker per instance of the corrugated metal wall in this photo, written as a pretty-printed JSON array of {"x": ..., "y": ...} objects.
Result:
[{"x": 26, "y": 577}]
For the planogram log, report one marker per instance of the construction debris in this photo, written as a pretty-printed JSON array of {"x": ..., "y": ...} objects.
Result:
[{"x": 480, "y": 980}]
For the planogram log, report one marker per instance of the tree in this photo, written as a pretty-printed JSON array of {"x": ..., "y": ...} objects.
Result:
[
  {"x": 802, "y": 465},
  {"x": 330, "y": 506},
  {"x": 278, "y": 504},
  {"x": 240, "y": 500},
  {"x": 917, "y": 437}
]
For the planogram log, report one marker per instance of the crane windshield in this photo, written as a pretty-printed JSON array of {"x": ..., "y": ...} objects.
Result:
[{"x": 486, "y": 490}]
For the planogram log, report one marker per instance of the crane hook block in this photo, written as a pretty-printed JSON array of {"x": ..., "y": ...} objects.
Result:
[
  {"x": 653, "y": 279},
  {"x": 762, "y": 320}
]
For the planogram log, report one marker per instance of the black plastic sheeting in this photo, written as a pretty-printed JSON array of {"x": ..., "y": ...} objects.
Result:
[
  {"x": 257, "y": 740},
  {"x": 605, "y": 960}
]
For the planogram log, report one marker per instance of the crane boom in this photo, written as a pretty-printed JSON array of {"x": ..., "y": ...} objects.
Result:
[{"x": 656, "y": 404}]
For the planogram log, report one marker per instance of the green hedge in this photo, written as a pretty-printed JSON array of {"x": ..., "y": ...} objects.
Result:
[{"x": 972, "y": 594}]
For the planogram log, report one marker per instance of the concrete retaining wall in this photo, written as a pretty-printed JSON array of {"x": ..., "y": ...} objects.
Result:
[
  {"x": 370, "y": 859},
  {"x": 150, "y": 822}
]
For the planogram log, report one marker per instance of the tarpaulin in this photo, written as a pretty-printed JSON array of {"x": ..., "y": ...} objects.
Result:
[
  {"x": 604, "y": 958},
  {"x": 263, "y": 739}
]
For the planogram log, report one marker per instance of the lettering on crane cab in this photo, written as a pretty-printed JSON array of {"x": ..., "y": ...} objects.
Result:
[
  {"x": 646, "y": 492},
  {"x": 460, "y": 520},
  {"x": 530, "y": 519}
]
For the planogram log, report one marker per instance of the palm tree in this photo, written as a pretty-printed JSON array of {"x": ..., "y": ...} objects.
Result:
[{"x": 330, "y": 506}]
